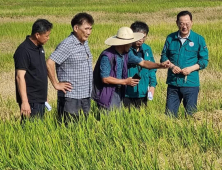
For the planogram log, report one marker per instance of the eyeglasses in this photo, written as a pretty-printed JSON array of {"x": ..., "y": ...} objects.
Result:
[{"x": 181, "y": 24}]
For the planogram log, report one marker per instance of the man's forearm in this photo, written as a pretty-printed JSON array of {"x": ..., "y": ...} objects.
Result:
[
  {"x": 20, "y": 80},
  {"x": 22, "y": 87},
  {"x": 152, "y": 65},
  {"x": 51, "y": 72},
  {"x": 149, "y": 64},
  {"x": 112, "y": 80},
  {"x": 195, "y": 67}
]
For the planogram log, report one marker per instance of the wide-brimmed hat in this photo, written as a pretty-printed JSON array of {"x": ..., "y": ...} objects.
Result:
[{"x": 125, "y": 35}]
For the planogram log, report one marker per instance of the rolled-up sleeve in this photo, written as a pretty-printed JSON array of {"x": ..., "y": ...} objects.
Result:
[
  {"x": 133, "y": 59},
  {"x": 203, "y": 56}
]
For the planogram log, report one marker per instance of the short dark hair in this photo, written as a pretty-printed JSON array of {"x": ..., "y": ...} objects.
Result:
[
  {"x": 183, "y": 13},
  {"x": 79, "y": 18},
  {"x": 41, "y": 26},
  {"x": 139, "y": 26}
]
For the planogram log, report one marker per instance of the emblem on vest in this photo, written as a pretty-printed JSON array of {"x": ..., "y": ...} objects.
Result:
[
  {"x": 43, "y": 51},
  {"x": 191, "y": 44}
]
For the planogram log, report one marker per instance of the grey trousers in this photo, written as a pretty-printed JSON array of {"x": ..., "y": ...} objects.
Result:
[{"x": 69, "y": 108}]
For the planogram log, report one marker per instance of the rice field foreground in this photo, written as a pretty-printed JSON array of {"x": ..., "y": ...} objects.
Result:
[
  {"x": 142, "y": 139},
  {"x": 139, "y": 140}
]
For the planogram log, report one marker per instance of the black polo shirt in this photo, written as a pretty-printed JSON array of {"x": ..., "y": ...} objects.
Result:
[{"x": 31, "y": 58}]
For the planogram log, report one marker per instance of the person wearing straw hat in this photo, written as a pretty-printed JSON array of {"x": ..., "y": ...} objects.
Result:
[{"x": 110, "y": 72}]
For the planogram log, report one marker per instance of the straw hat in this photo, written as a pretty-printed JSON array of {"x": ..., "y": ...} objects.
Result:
[{"x": 125, "y": 35}]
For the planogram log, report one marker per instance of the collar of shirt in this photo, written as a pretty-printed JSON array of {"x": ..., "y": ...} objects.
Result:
[
  {"x": 191, "y": 36},
  {"x": 32, "y": 44},
  {"x": 120, "y": 55},
  {"x": 183, "y": 37},
  {"x": 140, "y": 49},
  {"x": 187, "y": 37},
  {"x": 76, "y": 40},
  {"x": 139, "y": 53}
]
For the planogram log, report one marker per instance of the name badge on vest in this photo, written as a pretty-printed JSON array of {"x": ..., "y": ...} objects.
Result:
[{"x": 191, "y": 44}]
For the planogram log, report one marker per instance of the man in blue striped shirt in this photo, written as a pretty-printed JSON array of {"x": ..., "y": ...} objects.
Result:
[{"x": 73, "y": 61}]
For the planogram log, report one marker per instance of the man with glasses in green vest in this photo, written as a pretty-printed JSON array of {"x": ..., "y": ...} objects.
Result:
[{"x": 187, "y": 53}]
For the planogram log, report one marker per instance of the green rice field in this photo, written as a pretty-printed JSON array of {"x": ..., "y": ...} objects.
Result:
[{"x": 141, "y": 139}]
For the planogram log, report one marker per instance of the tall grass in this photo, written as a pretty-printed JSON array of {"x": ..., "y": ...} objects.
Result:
[
  {"x": 65, "y": 7},
  {"x": 139, "y": 140}
]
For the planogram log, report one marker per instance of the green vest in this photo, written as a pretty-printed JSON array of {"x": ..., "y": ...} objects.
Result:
[{"x": 148, "y": 77}]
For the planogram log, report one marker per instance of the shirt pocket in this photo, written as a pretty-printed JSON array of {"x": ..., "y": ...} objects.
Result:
[
  {"x": 191, "y": 55},
  {"x": 191, "y": 52},
  {"x": 173, "y": 54}
]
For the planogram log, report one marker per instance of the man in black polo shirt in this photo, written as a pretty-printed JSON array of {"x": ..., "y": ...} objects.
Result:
[{"x": 31, "y": 72}]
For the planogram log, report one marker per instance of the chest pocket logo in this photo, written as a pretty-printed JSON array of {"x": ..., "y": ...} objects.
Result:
[{"x": 191, "y": 44}]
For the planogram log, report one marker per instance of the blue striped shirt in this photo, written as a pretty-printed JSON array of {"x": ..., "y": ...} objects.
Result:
[{"x": 74, "y": 65}]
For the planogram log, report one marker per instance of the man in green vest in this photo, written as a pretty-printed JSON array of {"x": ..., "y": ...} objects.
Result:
[
  {"x": 188, "y": 53},
  {"x": 137, "y": 95}
]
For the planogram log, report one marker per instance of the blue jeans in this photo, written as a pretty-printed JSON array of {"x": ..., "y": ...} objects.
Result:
[{"x": 176, "y": 94}]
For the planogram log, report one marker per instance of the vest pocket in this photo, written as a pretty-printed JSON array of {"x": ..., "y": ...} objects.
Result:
[
  {"x": 191, "y": 52},
  {"x": 173, "y": 55}
]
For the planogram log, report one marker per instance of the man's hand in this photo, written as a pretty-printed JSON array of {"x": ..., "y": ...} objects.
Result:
[
  {"x": 151, "y": 89},
  {"x": 25, "y": 109},
  {"x": 176, "y": 69},
  {"x": 165, "y": 64},
  {"x": 63, "y": 86},
  {"x": 186, "y": 71},
  {"x": 132, "y": 82}
]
